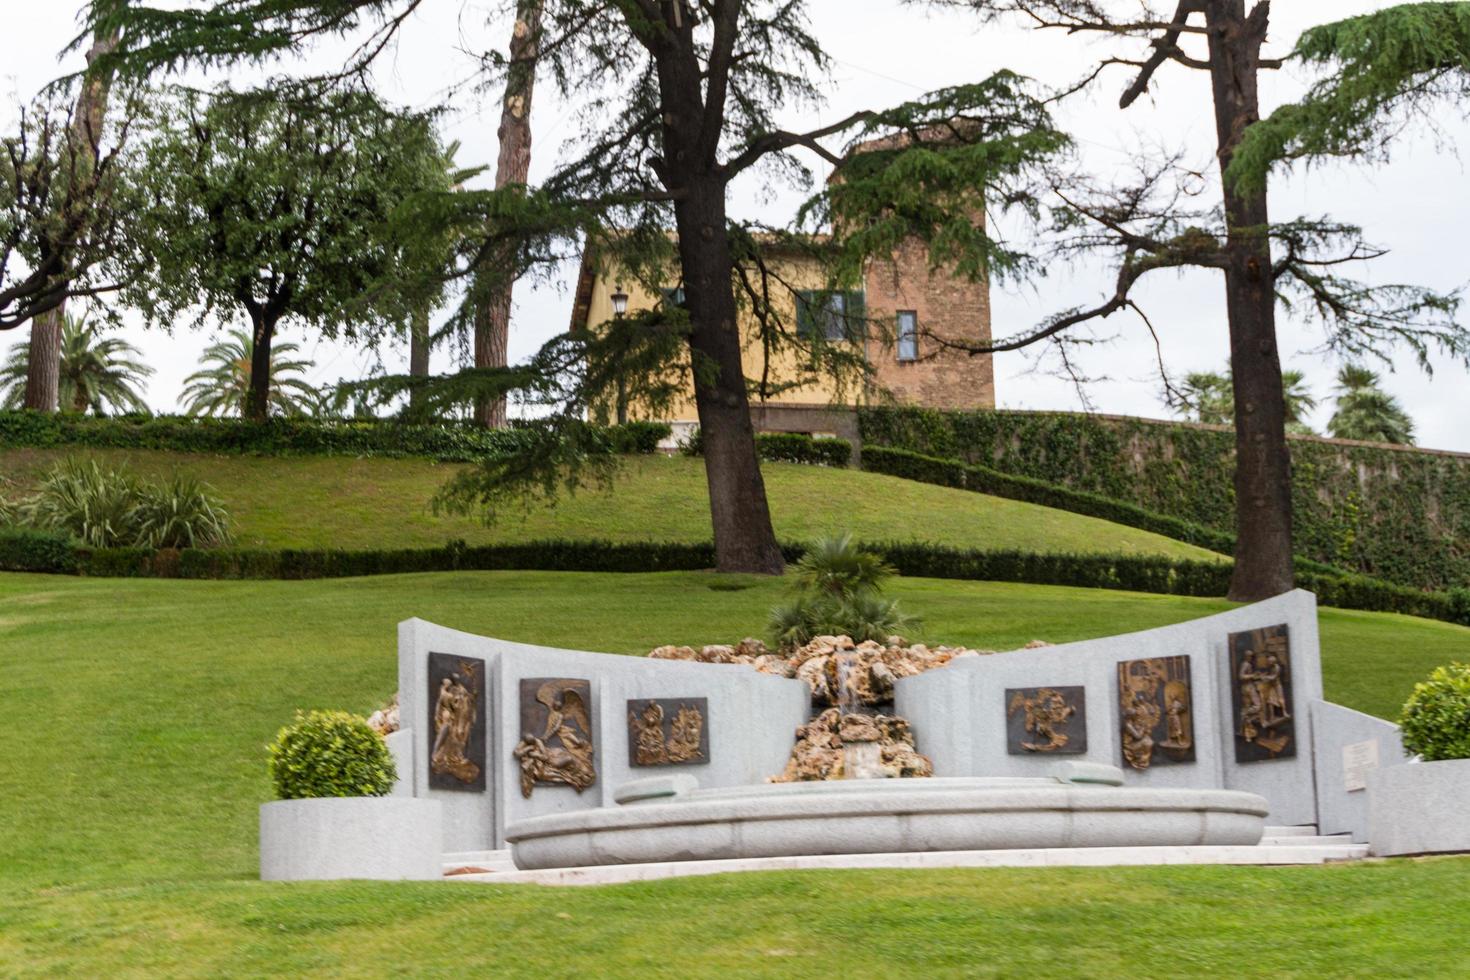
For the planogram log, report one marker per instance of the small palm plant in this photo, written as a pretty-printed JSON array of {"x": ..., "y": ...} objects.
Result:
[
  {"x": 110, "y": 508},
  {"x": 97, "y": 373},
  {"x": 223, "y": 387},
  {"x": 1365, "y": 411},
  {"x": 838, "y": 592}
]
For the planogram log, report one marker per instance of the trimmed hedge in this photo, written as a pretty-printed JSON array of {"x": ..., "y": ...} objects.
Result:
[
  {"x": 980, "y": 479},
  {"x": 448, "y": 442},
  {"x": 1395, "y": 514},
  {"x": 1138, "y": 573},
  {"x": 787, "y": 447}
]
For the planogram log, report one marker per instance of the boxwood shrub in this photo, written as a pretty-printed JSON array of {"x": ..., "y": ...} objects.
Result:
[
  {"x": 1436, "y": 719},
  {"x": 26, "y": 550},
  {"x": 445, "y": 442},
  {"x": 330, "y": 753},
  {"x": 786, "y": 447}
]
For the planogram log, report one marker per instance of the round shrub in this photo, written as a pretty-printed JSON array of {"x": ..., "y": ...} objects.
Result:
[
  {"x": 330, "y": 753},
  {"x": 1436, "y": 718}
]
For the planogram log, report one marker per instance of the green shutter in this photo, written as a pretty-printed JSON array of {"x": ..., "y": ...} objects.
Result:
[
  {"x": 806, "y": 324},
  {"x": 857, "y": 315}
]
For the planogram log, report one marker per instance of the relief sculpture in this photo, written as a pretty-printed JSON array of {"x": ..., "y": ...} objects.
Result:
[
  {"x": 456, "y": 700},
  {"x": 1046, "y": 719},
  {"x": 668, "y": 732},
  {"x": 1157, "y": 711},
  {"x": 556, "y": 734},
  {"x": 1260, "y": 676}
]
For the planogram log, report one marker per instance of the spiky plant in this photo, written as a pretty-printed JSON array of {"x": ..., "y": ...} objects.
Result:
[
  {"x": 837, "y": 586},
  {"x": 221, "y": 387},
  {"x": 1365, "y": 411},
  {"x": 181, "y": 513},
  {"x": 836, "y": 566},
  {"x": 94, "y": 505},
  {"x": 98, "y": 373}
]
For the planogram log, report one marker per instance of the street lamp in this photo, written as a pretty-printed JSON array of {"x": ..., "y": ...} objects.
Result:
[{"x": 620, "y": 306}]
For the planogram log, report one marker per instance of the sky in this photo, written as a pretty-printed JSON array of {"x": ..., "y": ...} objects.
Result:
[{"x": 884, "y": 52}]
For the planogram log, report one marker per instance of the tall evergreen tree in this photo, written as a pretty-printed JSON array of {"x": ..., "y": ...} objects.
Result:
[{"x": 678, "y": 99}]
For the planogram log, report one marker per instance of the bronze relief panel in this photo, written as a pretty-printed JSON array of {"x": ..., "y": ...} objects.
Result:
[
  {"x": 1049, "y": 720},
  {"x": 1156, "y": 708},
  {"x": 1261, "y": 703},
  {"x": 556, "y": 734},
  {"x": 668, "y": 732},
  {"x": 456, "y": 723}
]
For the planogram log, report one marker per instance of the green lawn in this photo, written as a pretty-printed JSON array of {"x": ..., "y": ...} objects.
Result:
[
  {"x": 132, "y": 763},
  {"x": 337, "y": 502}
]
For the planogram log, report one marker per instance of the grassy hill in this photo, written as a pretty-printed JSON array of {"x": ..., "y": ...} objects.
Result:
[
  {"x": 337, "y": 502},
  {"x": 137, "y": 712}
]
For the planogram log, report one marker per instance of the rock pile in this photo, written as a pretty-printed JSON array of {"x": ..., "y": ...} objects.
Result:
[
  {"x": 825, "y": 749},
  {"x": 384, "y": 721}
]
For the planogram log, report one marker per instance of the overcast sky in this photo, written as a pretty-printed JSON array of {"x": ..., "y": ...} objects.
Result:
[{"x": 884, "y": 52}]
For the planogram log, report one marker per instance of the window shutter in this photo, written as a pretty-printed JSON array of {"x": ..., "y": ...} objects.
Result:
[
  {"x": 856, "y": 327},
  {"x": 806, "y": 322}
]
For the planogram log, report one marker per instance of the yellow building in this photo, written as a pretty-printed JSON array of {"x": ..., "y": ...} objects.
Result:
[{"x": 908, "y": 311}]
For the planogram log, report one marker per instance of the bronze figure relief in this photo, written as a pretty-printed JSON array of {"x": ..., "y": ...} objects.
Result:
[
  {"x": 556, "y": 734},
  {"x": 1046, "y": 720},
  {"x": 668, "y": 732},
  {"x": 1261, "y": 704},
  {"x": 456, "y": 720},
  {"x": 1156, "y": 708}
]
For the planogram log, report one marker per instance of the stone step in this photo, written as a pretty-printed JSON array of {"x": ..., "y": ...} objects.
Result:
[
  {"x": 1302, "y": 840},
  {"x": 1301, "y": 830},
  {"x": 1019, "y": 858},
  {"x": 486, "y": 861}
]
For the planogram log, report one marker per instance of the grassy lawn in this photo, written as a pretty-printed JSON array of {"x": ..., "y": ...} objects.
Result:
[
  {"x": 133, "y": 760},
  {"x": 337, "y": 502}
]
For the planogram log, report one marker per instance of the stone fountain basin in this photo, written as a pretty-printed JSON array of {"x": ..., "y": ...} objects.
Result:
[{"x": 886, "y": 816}]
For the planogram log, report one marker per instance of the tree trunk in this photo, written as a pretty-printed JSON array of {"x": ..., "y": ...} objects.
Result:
[
  {"x": 258, "y": 399},
  {"x": 492, "y": 320},
  {"x": 1263, "y": 543},
  {"x": 43, "y": 360},
  {"x": 418, "y": 353},
  {"x": 744, "y": 538}
]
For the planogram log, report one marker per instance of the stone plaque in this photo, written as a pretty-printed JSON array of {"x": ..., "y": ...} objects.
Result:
[
  {"x": 668, "y": 732},
  {"x": 1155, "y": 711},
  {"x": 556, "y": 734},
  {"x": 1261, "y": 705},
  {"x": 1050, "y": 720},
  {"x": 1358, "y": 759},
  {"x": 456, "y": 723}
]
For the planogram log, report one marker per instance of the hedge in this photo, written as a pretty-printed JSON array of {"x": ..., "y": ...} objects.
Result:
[
  {"x": 980, "y": 479},
  {"x": 1395, "y": 514},
  {"x": 447, "y": 442},
  {"x": 32, "y": 551},
  {"x": 787, "y": 447}
]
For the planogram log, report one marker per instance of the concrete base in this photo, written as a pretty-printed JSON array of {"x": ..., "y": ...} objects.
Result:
[
  {"x": 384, "y": 838},
  {"x": 1421, "y": 808},
  {"x": 887, "y": 816}
]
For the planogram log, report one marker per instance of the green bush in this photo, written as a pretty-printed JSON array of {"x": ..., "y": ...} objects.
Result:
[
  {"x": 25, "y": 550},
  {"x": 330, "y": 753},
  {"x": 446, "y": 442},
  {"x": 1436, "y": 720},
  {"x": 181, "y": 513},
  {"x": 786, "y": 447}
]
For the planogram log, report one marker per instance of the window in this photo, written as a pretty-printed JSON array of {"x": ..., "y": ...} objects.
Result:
[
  {"x": 836, "y": 314},
  {"x": 673, "y": 295},
  {"x": 908, "y": 335}
]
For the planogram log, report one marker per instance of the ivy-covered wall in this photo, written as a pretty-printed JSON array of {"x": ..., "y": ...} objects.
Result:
[{"x": 1391, "y": 513}]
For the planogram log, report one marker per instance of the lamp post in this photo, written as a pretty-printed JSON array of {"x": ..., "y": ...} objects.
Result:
[{"x": 620, "y": 306}]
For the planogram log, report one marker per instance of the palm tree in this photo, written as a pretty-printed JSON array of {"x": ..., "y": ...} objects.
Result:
[
  {"x": 1208, "y": 396},
  {"x": 97, "y": 373},
  {"x": 1365, "y": 411},
  {"x": 222, "y": 388}
]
